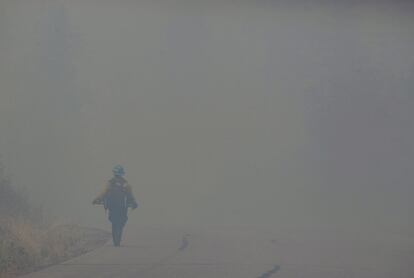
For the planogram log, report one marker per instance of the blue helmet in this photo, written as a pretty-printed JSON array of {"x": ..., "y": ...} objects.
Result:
[{"x": 118, "y": 170}]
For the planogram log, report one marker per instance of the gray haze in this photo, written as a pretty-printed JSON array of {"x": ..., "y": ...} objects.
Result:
[{"x": 236, "y": 113}]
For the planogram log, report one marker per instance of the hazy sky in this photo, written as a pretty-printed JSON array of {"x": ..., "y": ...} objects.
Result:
[{"x": 235, "y": 113}]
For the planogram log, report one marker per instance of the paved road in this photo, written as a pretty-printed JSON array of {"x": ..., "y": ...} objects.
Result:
[{"x": 239, "y": 253}]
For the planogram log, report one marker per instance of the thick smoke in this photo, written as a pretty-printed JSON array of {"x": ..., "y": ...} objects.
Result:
[{"x": 245, "y": 114}]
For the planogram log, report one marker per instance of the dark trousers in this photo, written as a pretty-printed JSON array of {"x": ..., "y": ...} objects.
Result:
[{"x": 118, "y": 218}]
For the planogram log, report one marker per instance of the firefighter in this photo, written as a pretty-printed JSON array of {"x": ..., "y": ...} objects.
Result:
[{"x": 117, "y": 197}]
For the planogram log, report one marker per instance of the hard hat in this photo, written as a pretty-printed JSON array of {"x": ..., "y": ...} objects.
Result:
[{"x": 118, "y": 170}]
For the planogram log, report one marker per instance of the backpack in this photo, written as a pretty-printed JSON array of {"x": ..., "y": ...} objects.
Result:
[{"x": 116, "y": 196}]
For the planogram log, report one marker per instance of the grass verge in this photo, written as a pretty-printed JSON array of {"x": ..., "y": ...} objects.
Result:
[
  {"x": 26, "y": 243},
  {"x": 25, "y": 248}
]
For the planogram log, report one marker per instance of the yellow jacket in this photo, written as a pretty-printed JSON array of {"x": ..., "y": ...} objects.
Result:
[{"x": 126, "y": 188}]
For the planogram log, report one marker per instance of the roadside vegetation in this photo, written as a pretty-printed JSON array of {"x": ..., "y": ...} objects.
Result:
[{"x": 28, "y": 242}]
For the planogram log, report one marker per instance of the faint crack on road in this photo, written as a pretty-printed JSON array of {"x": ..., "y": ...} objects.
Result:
[
  {"x": 184, "y": 242},
  {"x": 269, "y": 273}
]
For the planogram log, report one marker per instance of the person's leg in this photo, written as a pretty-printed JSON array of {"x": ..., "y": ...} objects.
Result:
[
  {"x": 120, "y": 231},
  {"x": 117, "y": 233},
  {"x": 116, "y": 217},
  {"x": 123, "y": 218},
  {"x": 114, "y": 234}
]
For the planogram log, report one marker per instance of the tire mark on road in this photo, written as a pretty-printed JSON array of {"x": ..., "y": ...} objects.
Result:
[{"x": 269, "y": 273}]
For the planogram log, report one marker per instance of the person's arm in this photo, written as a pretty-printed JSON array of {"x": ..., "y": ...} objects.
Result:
[
  {"x": 99, "y": 200},
  {"x": 131, "y": 201}
]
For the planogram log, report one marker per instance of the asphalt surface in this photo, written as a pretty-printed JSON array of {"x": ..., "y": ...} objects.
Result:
[{"x": 242, "y": 252}]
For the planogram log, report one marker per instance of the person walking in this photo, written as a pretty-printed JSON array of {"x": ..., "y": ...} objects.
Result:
[{"x": 117, "y": 197}]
